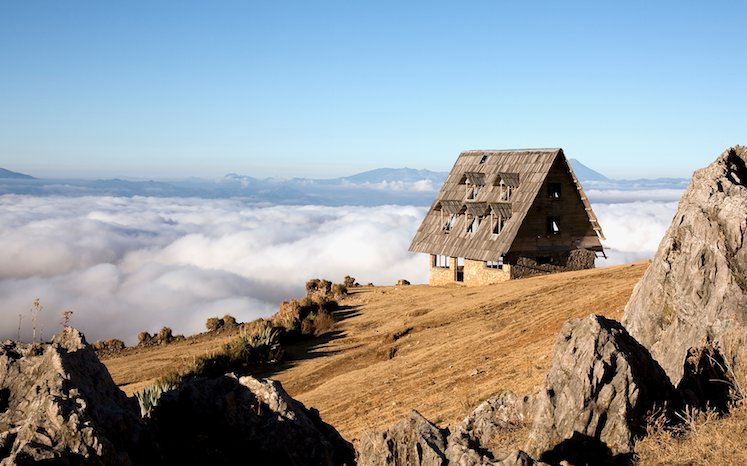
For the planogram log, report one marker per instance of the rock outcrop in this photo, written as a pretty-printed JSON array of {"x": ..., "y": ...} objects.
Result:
[
  {"x": 599, "y": 389},
  {"x": 694, "y": 294},
  {"x": 59, "y": 405},
  {"x": 416, "y": 441},
  {"x": 229, "y": 420},
  {"x": 413, "y": 441}
]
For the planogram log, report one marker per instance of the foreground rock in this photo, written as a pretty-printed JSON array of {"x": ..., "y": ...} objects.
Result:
[
  {"x": 59, "y": 405},
  {"x": 226, "y": 420},
  {"x": 694, "y": 294},
  {"x": 416, "y": 441},
  {"x": 598, "y": 392}
]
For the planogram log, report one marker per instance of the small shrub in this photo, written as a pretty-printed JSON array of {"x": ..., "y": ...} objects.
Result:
[
  {"x": 108, "y": 347},
  {"x": 323, "y": 323},
  {"x": 165, "y": 335},
  {"x": 149, "y": 398},
  {"x": 339, "y": 290},
  {"x": 229, "y": 322},
  {"x": 144, "y": 338},
  {"x": 348, "y": 281},
  {"x": 213, "y": 324}
]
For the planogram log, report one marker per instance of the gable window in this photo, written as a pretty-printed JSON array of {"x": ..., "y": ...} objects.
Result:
[
  {"x": 473, "y": 225},
  {"x": 553, "y": 190},
  {"x": 553, "y": 225},
  {"x": 441, "y": 261},
  {"x": 448, "y": 225}
]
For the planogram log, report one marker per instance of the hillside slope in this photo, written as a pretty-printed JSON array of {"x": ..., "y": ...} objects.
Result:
[{"x": 439, "y": 350}]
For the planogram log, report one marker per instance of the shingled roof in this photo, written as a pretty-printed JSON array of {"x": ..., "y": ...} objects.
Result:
[{"x": 523, "y": 170}]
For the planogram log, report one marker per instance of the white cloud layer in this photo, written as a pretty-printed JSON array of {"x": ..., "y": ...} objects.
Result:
[
  {"x": 633, "y": 229},
  {"x": 129, "y": 264}
]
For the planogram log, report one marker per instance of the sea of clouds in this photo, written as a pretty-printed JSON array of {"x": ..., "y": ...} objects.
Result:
[{"x": 126, "y": 264}]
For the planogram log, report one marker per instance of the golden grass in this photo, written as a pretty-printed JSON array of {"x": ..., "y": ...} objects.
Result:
[
  {"x": 440, "y": 350},
  {"x": 705, "y": 439}
]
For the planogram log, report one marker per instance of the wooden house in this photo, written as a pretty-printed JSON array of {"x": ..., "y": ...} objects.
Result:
[{"x": 505, "y": 214}]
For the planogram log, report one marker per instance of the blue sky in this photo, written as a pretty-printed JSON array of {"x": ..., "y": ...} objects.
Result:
[{"x": 173, "y": 89}]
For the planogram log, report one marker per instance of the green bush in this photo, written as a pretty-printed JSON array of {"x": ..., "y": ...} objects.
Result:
[{"x": 150, "y": 396}]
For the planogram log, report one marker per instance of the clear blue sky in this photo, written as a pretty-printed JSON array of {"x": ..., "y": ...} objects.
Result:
[{"x": 172, "y": 89}]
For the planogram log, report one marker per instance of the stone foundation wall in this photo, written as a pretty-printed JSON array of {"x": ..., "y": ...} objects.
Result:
[
  {"x": 442, "y": 276},
  {"x": 578, "y": 259},
  {"x": 475, "y": 273}
]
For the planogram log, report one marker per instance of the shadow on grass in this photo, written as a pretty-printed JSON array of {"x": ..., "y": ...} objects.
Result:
[{"x": 307, "y": 348}]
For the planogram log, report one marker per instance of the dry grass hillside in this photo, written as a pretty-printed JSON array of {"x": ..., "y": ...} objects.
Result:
[{"x": 440, "y": 350}]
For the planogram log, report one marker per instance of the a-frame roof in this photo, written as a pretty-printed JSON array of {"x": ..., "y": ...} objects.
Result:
[{"x": 528, "y": 168}]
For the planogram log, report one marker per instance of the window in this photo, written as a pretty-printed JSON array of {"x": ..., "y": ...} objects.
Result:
[
  {"x": 553, "y": 190},
  {"x": 498, "y": 265},
  {"x": 505, "y": 192},
  {"x": 484, "y": 159},
  {"x": 498, "y": 226},
  {"x": 441, "y": 261},
  {"x": 449, "y": 224},
  {"x": 553, "y": 225},
  {"x": 472, "y": 191},
  {"x": 474, "y": 225}
]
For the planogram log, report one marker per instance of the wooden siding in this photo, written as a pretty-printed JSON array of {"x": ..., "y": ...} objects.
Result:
[{"x": 532, "y": 167}]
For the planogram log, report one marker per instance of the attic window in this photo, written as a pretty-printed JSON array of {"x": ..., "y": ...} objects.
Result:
[
  {"x": 498, "y": 224},
  {"x": 484, "y": 159},
  {"x": 472, "y": 191},
  {"x": 448, "y": 225},
  {"x": 553, "y": 225},
  {"x": 474, "y": 225},
  {"x": 553, "y": 190}
]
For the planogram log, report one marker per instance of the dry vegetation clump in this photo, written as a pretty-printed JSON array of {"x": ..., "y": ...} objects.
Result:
[
  {"x": 349, "y": 282},
  {"x": 226, "y": 323},
  {"x": 108, "y": 347},
  {"x": 307, "y": 316},
  {"x": 702, "y": 438},
  {"x": 163, "y": 337}
]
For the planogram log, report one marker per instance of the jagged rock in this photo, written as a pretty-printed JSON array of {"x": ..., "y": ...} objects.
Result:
[
  {"x": 60, "y": 405},
  {"x": 694, "y": 293},
  {"x": 226, "y": 420},
  {"x": 472, "y": 441},
  {"x": 414, "y": 441},
  {"x": 599, "y": 389}
]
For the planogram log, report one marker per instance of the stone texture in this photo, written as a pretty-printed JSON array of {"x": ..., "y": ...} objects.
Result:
[
  {"x": 226, "y": 420},
  {"x": 695, "y": 291},
  {"x": 60, "y": 405},
  {"x": 414, "y": 441},
  {"x": 598, "y": 391},
  {"x": 472, "y": 441}
]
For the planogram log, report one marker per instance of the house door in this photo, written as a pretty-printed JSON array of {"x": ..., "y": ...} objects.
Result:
[{"x": 460, "y": 269}]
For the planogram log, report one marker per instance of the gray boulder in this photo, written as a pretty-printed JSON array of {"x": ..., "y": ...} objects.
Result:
[
  {"x": 58, "y": 404},
  {"x": 229, "y": 420},
  {"x": 414, "y": 441},
  {"x": 599, "y": 389},
  {"x": 694, "y": 293},
  {"x": 472, "y": 442}
]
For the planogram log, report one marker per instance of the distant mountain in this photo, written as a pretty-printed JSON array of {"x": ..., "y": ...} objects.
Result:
[
  {"x": 380, "y": 175},
  {"x": 584, "y": 173},
  {"x": 7, "y": 174}
]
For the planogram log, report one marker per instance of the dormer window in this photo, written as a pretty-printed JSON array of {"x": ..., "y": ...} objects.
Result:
[
  {"x": 500, "y": 212},
  {"x": 448, "y": 225},
  {"x": 474, "y": 225},
  {"x": 498, "y": 223},
  {"x": 472, "y": 191},
  {"x": 506, "y": 183}
]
